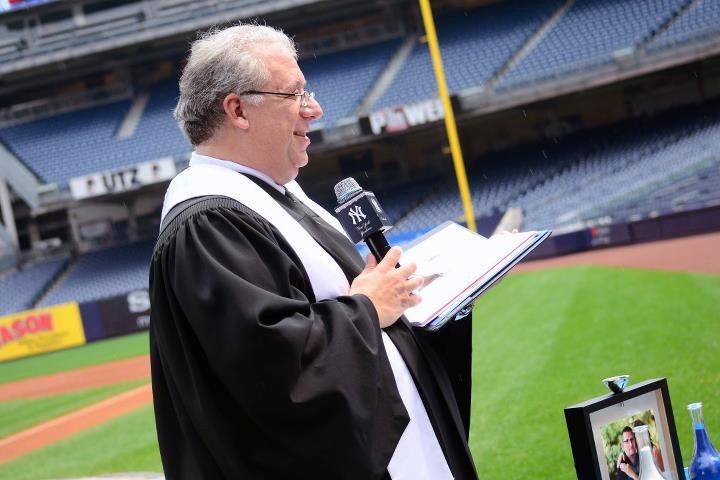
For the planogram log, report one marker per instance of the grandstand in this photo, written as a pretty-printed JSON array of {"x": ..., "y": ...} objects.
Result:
[
  {"x": 87, "y": 279},
  {"x": 475, "y": 46},
  {"x": 22, "y": 287},
  {"x": 629, "y": 146},
  {"x": 604, "y": 27}
]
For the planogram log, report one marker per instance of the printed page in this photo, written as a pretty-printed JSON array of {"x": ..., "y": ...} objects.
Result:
[{"x": 453, "y": 260}]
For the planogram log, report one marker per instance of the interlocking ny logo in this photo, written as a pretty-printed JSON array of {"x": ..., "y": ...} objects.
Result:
[{"x": 356, "y": 214}]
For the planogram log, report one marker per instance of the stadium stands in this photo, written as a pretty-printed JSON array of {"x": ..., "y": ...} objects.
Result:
[
  {"x": 77, "y": 143},
  {"x": 701, "y": 20},
  {"x": 474, "y": 45},
  {"x": 103, "y": 274},
  {"x": 342, "y": 80},
  {"x": 589, "y": 174},
  {"x": 588, "y": 35},
  {"x": 81, "y": 142},
  {"x": 621, "y": 170},
  {"x": 74, "y": 143},
  {"x": 20, "y": 288}
]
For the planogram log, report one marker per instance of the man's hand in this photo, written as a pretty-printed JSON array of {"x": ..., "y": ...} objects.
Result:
[
  {"x": 628, "y": 470},
  {"x": 387, "y": 287}
]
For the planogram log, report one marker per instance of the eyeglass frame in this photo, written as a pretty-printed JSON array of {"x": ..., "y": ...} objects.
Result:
[{"x": 305, "y": 96}]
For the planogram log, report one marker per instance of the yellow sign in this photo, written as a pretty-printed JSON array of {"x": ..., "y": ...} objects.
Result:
[{"x": 40, "y": 330}]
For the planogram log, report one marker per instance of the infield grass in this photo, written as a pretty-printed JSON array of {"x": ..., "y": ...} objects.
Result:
[
  {"x": 78, "y": 357},
  {"x": 17, "y": 415},
  {"x": 542, "y": 341}
]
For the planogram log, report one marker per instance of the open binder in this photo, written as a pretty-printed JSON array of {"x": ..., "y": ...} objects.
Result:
[{"x": 459, "y": 266}]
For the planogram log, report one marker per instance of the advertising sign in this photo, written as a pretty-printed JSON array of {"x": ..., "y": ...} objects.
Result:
[
  {"x": 122, "y": 180},
  {"x": 116, "y": 316},
  {"x": 40, "y": 330},
  {"x": 395, "y": 119}
]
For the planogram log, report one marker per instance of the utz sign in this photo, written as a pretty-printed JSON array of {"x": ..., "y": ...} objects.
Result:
[{"x": 122, "y": 180}]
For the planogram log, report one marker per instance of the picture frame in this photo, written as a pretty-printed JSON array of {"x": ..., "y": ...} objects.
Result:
[{"x": 599, "y": 436}]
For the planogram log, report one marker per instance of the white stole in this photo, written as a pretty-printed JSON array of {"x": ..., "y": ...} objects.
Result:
[{"x": 418, "y": 455}]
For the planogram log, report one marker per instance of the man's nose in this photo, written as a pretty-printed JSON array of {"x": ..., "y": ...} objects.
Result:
[{"x": 313, "y": 110}]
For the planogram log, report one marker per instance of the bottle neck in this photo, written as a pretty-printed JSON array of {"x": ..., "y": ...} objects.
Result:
[{"x": 702, "y": 439}]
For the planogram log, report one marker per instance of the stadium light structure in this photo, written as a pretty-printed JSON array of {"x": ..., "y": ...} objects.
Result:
[{"x": 450, "y": 125}]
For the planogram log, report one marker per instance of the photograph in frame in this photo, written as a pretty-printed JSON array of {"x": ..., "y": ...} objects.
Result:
[{"x": 603, "y": 444}]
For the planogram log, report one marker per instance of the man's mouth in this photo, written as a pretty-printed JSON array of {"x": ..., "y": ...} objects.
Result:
[{"x": 299, "y": 133}]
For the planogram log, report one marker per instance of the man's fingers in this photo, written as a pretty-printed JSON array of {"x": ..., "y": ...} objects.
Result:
[
  {"x": 412, "y": 301},
  {"x": 406, "y": 270},
  {"x": 391, "y": 258},
  {"x": 370, "y": 262},
  {"x": 415, "y": 282}
]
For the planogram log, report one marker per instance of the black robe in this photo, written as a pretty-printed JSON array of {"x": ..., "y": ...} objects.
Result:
[{"x": 252, "y": 378}]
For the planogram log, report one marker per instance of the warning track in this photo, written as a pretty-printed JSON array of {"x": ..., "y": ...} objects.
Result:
[{"x": 698, "y": 254}]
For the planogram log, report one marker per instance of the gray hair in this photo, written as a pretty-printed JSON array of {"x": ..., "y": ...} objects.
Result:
[{"x": 223, "y": 62}]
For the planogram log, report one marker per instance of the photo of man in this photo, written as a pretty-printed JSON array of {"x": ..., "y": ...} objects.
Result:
[{"x": 628, "y": 461}]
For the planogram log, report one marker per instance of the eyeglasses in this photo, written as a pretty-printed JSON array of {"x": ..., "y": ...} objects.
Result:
[{"x": 304, "y": 96}]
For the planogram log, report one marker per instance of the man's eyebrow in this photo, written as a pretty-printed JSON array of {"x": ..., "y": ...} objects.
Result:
[{"x": 297, "y": 85}]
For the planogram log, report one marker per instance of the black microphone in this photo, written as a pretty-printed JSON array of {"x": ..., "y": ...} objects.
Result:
[{"x": 362, "y": 217}]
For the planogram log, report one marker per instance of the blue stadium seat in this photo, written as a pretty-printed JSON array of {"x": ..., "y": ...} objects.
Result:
[
  {"x": 342, "y": 80},
  {"x": 659, "y": 165},
  {"x": 474, "y": 46},
  {"x": 104, "y": 274},
  {"x": 21, "y": 288},
  {"x": 587, "y": 35},
  {"x": 701, "y": 20}
]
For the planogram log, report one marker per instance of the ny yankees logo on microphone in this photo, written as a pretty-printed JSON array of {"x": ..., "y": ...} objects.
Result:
[{"x": 356, "y": 214}]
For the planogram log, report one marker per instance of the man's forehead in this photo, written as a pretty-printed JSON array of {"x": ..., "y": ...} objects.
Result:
[{"x": 283, "y": 67}]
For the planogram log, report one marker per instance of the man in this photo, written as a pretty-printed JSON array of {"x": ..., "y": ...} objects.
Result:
[
  {"x": 276, "y": 353},
  {"x": 628, "y": 461}
]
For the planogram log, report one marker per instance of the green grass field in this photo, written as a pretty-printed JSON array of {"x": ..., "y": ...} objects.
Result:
[
  {"x": 542, "y": 341},
  {"x": 91, "y": 354}
]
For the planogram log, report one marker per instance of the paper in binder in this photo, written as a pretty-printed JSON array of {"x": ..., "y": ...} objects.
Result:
[{"x": 459, "y": 265}]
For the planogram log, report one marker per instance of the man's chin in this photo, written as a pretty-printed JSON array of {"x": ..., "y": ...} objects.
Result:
[{"x": 300, "y": 161}]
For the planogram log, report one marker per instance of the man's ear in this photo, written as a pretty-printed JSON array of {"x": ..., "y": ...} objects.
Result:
[{"x": 235, "y": 111}]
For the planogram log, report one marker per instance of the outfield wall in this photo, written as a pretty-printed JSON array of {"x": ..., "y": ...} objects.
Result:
[
  {"x": 47, "y": 329},
  {"x": 663, "y": 227}
]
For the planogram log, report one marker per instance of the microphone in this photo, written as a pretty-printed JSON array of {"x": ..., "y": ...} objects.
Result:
[{"x": 362, "y": 217}]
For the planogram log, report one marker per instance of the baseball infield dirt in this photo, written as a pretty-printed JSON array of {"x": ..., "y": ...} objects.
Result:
[
  {"x": 691, "y": 254},
  {"x": 110, "y": 373}
]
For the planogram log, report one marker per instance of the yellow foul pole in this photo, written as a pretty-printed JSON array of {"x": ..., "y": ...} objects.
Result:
[{"x": 449, "y": 115}]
